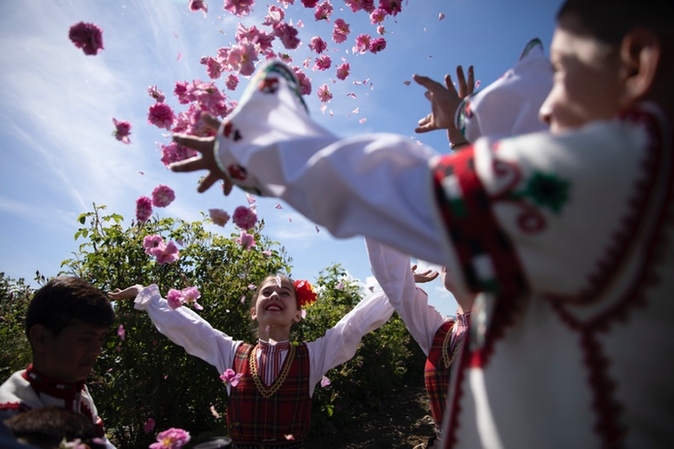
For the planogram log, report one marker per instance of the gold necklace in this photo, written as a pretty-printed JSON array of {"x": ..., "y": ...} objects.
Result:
[
  {"x": 445, "y": 343},
  {"x": 265, "y": 391}
]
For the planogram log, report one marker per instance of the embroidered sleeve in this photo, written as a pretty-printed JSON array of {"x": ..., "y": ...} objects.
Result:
[{"x": 533, "y": 213}]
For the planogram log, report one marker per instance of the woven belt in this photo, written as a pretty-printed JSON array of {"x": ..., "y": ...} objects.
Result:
[{"x": 271, "y": 444}]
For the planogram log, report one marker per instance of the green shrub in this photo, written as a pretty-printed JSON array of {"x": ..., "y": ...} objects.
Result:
[{"x": 146, "y": 376}]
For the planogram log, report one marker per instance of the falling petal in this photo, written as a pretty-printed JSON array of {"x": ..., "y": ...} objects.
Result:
[
  {"x": 303, "y": 313},
  {"x": 355, "y": 111},
  {"x": 141, "y": 172},
  {"x": 323, "y": 108},
  {"x": 363, "y": 120},
  {"x": 406, "y": 83},
  {"x": 278, "y": 206},
  {"x": 243, "y": 299},
  {"x": 441, "y": 16},
  {"x": 250, "y": 198},
  {"x": 317, "y": 230},
  {"x": 332, "y": 114},
  {"x": 477, "y": 84},
  {"x": 289, "y": 437},
  {"x": 351, "y": 94},
  {"x": 214, "y": 412},
  {"x": 121, "y": 332},
  {"x": 425, "y": 29},
  {"x": 180, "y": 56},
  {"x": 325, "y": 382},
  {"x": 290, "y": 219}
]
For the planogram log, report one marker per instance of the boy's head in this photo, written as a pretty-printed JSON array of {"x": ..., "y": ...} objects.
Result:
[
  {"x": 46, "y": 427},
  {"x": 609, "y": 55},
  {"x": 65, "y": 324}
]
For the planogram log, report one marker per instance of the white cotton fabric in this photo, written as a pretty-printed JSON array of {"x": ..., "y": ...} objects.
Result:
[{"x": 186, "y": 328}]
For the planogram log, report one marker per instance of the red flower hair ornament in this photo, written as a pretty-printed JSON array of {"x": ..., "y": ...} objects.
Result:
[{"x": 305, "y": 293}]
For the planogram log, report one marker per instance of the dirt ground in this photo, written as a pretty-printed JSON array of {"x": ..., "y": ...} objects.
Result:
[{"x": 401, "y": 421}]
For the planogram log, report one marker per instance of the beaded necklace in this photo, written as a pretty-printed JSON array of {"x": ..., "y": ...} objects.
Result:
[{"x": 265, "y": 391}]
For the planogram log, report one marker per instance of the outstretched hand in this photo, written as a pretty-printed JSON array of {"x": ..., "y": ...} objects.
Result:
[
  {"x": 445, "y": 100},
  {"x": 206, "y": 159},
  {"x": 426, "y": 276},
  {"x": 127, "y": 293}
]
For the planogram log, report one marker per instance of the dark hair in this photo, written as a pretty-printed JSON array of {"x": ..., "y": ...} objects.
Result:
[
  {"x": 610, "y": 20},
  {"x": 48, "y": 426},
  {"x": 66, "y": 299}
]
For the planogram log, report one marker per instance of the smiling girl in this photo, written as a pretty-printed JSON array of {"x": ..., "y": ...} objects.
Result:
[{"x": 270, "y": 401}]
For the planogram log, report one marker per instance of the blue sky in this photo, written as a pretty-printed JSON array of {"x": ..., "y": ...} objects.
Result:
[{"x": 57, "y": 105}]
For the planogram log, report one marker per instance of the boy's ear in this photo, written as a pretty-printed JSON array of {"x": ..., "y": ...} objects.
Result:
[
  {"x": 298, "y": 316},
  {"x": 640, "y": 53},
  {"x": 39, "y": 337}
]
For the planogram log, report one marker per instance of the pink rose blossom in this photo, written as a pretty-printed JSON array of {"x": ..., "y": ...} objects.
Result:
[
  {"x": 304, "y": 80},
  {"x": 196, "y": 5},
  {"x": 381, "y": 30},
  {"x": 317, "y": 44},
  {"x": 274, "y": 16},
  {"x": 173, "y": 152},
  {"x": 232, "y": 81},
  {"x": 143, "y": 209},
  {"x": 238, "y": 7},
  {"x": 377, "y": 16},
  {"x": 148, "y": 426},
  {"x": 190, "y": 295},
  {"x": 174, "y": 298},
  {"x": 244, "y": 217},
  {"x": 287, "y": 34},
  {"x": 343, "y": 71},
  {"x": 154, "y": 92},
  {"x": 323, "y": 11},
  {"x": 162, "y": 196},
  {"x": 323, "y": 62},
  {"x": 122, "y": 130},
  {"x": 324, "y": 94},
  {"x": 87, "y": 36},
  {"x": 362, "y": 43},
  {"x": 230, "y": 377},
  {"x": 377, "y": 45},
  {"x": 340, "y": 31},
  {"x": 392, "y": 7},
  {"x": 166, "y": 253},
  {"x": 219, "y": 216},
  {"x": 172, "y": 438},
  {"x": 246, "y": 240},
  {"x": 161, "y": 115},
  {"x": 309, "y": 3},
  {"x": 151, "y": 241},
  {"x": 213, "y": 67},
  {"x": 181, "y": 90}
]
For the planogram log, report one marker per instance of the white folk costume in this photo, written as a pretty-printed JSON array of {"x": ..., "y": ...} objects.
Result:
[
  {"x": 439, "y": 337},
  {"x": 273, "y": 396},
  {"x": 569, "y": 235},
  {"x": 29, "y": 389},
  {"x": 520, "y": 91}
]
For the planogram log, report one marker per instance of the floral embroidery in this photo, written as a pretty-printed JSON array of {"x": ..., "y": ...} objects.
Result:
[
  {"x": 237, "y": 172},
  {"x": 547, "y": 190}
]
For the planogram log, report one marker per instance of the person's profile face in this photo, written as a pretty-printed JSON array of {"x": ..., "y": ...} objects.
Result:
[
  {"x": 587, "y": 85},
  {"x": 71, "y": 355}
]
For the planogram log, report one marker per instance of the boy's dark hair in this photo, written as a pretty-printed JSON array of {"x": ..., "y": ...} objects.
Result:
[
  {"x": 67, "y": 299},
  {"x": 610, "y": 20},
  {"x": 48, "y": 426}
]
